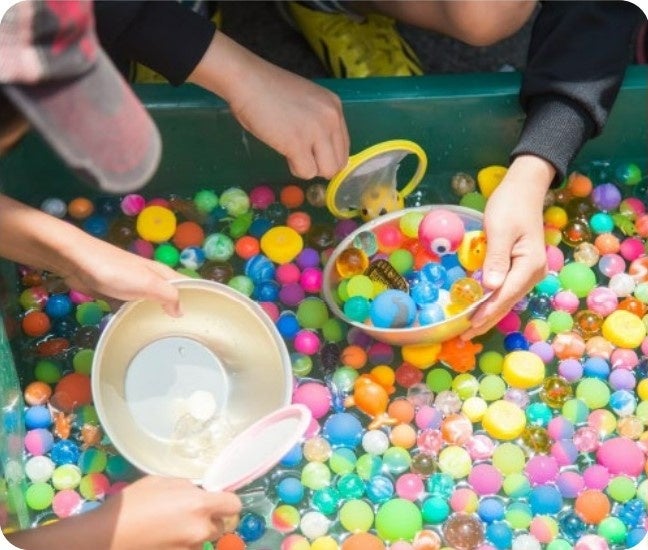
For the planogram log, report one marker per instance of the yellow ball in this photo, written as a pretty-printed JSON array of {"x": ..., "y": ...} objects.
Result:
[
  {"x": 489, "y": 178},
  {"x": 474, "y": 408},
  {"x": 523, "y": 369},
  {"x": 421, "y": 356},
  {"x": 455, "y": 461},
  {"x": 156, "y": 224},
  {"x": 324, "y": 543},
  {"x": 552, "y": 235},
  {"x": 623, "y": 329},
  {"x": 281, "y": 244},
  {"x": 504, "y": 420},
  {"x": 472, "y": 250},
  {"x": 642, "y": 389},
  {"x": 555, "y": 216}
]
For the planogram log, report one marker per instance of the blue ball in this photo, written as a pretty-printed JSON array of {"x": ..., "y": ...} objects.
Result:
[
  {"x": 251, "y": 527},
  {"x": 491, "y": 509},
  {"x": 37, "y": 416},
  {"x": 192, "y": 257},
  {"x": 450, "y": 261},
  {"x": 65, "y": 452},
  {"x": 287, "y": 325},
  {"x": 96, "y": 225},
  {"x": 259, "y": 227},
  {"x": 539, "y": 414},
  {"x": 545, "y": 500},
  {"x": 500, "y": 535},
  {"x": 293, "y": 457},
  {"x": 266, "y": 291},
  {"x": 58, "y": 305},
  {"x": 596, "y": 367},
  {"x": 634, "y": 537},
  {"x": 441, "y": 485},
  {"x": 436, "y": 274},
  {"x": 259, "y": 268},
  {"x": 540, "y": 306},
  {"x": 424, "y": 292},
  {"x": 379, "y": 489},
  {"x": 435, "y": 509},
  {"x": 601, "y": 222},
  {"x": 571, "y": 526},
  {"x": 454, "y": 274},
  {"x": 343, "y": 430},
  {"x": 550, "y": 285},
  {"x": 514, "y": 341},
  {"x": 430, "y": 314},
  {"x": 290, "y": 490},
  {"x": 393, "y": 309}
]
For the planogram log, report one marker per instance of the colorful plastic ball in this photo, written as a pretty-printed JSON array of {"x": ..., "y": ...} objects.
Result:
[
  {"x": 54, "y": 207},
  {"x": 38, "y": 441},
  {"x": 251, "y": 527},
  {"x": 463, "y": 531},
  {"x": 58, "y": 306},
  {"x": 578, "y": 278},
  {"x": 606, "y": 196},
  {"x": 37, "y": 416},
  {"x": 307, "y": 342},
  {"x": 398, "y": 519},
  {"x": 363, "y": 541},
  {"x": 342, "y": 429},
  {"x": 89, "y": 313},
  {"x": 356, "y": 516},
  {"x": 39, "y": 496},
  {"x": 311, "y": 280},
  {"x": 35, "y": 324},
  {"x": 379, "y": 489},
  {"x": 393, "y": 309}
]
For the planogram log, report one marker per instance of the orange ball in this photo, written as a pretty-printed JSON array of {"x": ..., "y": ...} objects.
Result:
[
  {"x": 592, "y": 506},
  {"x": 299, "y": 221},
  {"x": 607, "y": 243},
  {"x": 292, "y": 196},
  {"x": 363, "y": 541},
  {"x": 37, "y": 393},
  {"x": 53, "y": 346},
  {"x": 188, "y": 234},
  {"x": 401, "y": 410},
  {"x": 354, "y": 357},
  {"x": 579, "y": 185},
  {"x": 384, "y": 375},
  {"x": 230, "y": 541},
  {"x": 36, "y": 323},
  {"x": 73, "y": 390},
  {"x": 552, "y": 235},
  {"x": 246, "y": 247},
  {"x": 403, "y": 435},
  {"x": 555, "y": 216},
  {"x": 633, "y": 305},
  {"x": 80, "y": 208}
]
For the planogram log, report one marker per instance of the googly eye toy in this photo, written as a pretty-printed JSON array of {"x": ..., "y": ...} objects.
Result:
[{"x": 368, "y": 185}]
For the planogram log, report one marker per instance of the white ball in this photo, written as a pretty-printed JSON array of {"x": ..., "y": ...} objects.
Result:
[
  {"x": 314, "y": 524},
  {"x": 39, "y": 468},
  {"x": 526, "y": 542},
  {"x": 622, "y": 284},
  {"x": 375, "y": 442}
]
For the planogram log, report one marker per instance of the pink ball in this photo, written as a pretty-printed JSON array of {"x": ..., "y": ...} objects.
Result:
[
  {"x": 389, "y": 237},
  {"x": 428, "y": 417},
  {"x": 622, "y": 358},
  {"x": 591, "y": 542},
  {"x": 565, "y": 300},
  {"x": 570, "y": 484},
  {"x": 286, "y": 274},
  {"x": 596, "y": 477},
  {"x": 132, "y": 204},
  {"x": 560, "y": 428},
  {"x": 380, "y": 353},
  {"x": 142, "y": 248},
  {"x": 485, "y": 479},
  {"x": 541, "y": 529},
  {"x": 271, "y": 309},
  {"x": 66, "y": 503},
  {"x": 79, "y": 297},
  {"x": 38, "y": 441},
  {"x": 480, "y": 447},
  {"x": 511, "y": 322},
  {"x": 541, "y": 469},
  {"x": 564, "y": 452},
  {"x": 621, "y": 455},
  {"x": 464, "y": 500},
  {"x": 307, "y": 342},
  {"x": 555, "y": 258},
  {"x": 611, "y": 264},
  {"x": 602, "y": 300},
  {"x": 644, "y": 346},
  {"x": 409, "y": 486},
  {"x": 441, "y": 231},
  {"x": 261, "y": 197},
  {"x": 315, "y": 396},
  {"x": 313, "y": 428},
  {"x": 631, "y": 248},
  {"x": 311, "y": 280},
  {"x": 635, "y": 205}
]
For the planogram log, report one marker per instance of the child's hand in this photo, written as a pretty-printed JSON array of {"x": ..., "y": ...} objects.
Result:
[
  {"x": 298, "y": 118},
  {"x": 515, "y": 253}
]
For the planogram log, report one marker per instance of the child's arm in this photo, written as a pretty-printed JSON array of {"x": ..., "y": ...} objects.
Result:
[
  {"x": 87, "y": 264},
  {"x": 154, "y": 513}
]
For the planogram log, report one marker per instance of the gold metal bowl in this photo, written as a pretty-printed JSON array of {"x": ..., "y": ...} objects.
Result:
[
  {"x": 157, "y": 378},
  {"x": 437, "y": 332}
]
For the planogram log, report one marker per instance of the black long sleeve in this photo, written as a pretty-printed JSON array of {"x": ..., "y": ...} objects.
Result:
[
  {"x": 163, "y": 35},
  {"x": 577, "y": 59}
]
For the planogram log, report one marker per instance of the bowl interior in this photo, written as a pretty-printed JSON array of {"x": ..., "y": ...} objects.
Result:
[
  {"x": 437, "y": 332},
  {"x": 156, "y": 378}
]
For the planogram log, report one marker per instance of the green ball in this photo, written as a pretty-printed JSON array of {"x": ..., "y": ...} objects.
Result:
[
  {"x": 88, "y": 313},
  {"x": 326, "y": 500},
  {"x": 621, "y": 489},
  {"x": 641, "y": 292},
  {"x": 167, "y": 254},
  {"x": 344, "y": 378},
  {"x": 594, "y": 392},
  {"x": 559, "y": 544},
  {"x": 66, "y": 476},
  {"x": 398, "y": 519},
  {"x": 578, "y": 278},
  {"x": 402, "y": 260},
  {"x": 205, "y": 201},
  {"x": 333, "y": 330},
  {"x": 242, "y": 283},
  {"x": 516, "y": 485},
  {"x": 47, "y": 371},
  {"x": 438, "y": 380},
  {"x": 356, "y": 516},
  {"x": 312, "y": 313},
  {"x": 435, "y": 509},
  {"x": 82, "y": 361},
  {"x": 235, "y": 201},
  {"x": 492, "y": 387},
  {"x": 473, "y": 200},
  {"x": 560, "y": 321},
  {"x": 315, "y": 475},
  {"x": 491, "y": 362},
  {"x": 613, "y": 530},
  {"x": 576, "y": 411},
  {"x": 519, "y": 515},
  {"x": 629, "y": 174},
  {"x": 218, "y": 246},
  {"x": 342, "y": 461},
  {"x": 39, "y": 496},
  {"x": 241, "y": 224},
  {"x": 368, "y": 466},
  {"x": 302, "y": 364}
]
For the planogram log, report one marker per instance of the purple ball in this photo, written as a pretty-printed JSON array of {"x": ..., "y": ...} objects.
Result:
[
  {"x": 344, "y": 228},
  {"x": 308, "y": 257},
  {"x": 291, "y": 294},
  {"x": 570, "y": 369},
  {"x": 606, "y": 196},
  {"x": 544, "y": 350},
  {"x": 356, "y": 337},
  {"x": 622, "y": 379}
]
